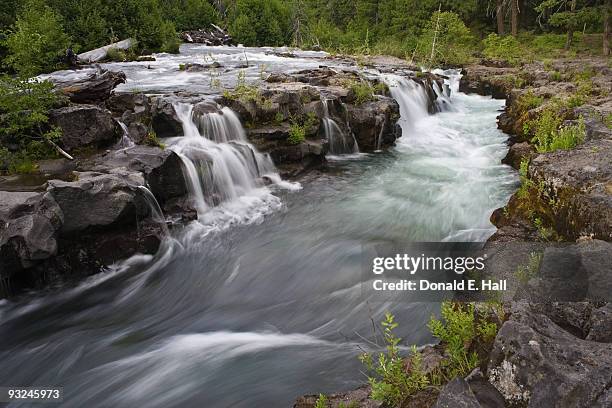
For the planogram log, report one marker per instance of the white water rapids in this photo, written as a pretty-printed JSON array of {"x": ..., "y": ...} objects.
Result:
[{"x": 261, "y": 301}]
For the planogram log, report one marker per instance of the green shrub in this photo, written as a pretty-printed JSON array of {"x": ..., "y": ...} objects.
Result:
[
  {"x": 456, "y": 330},
  {"x": 391, "y": 384},
  {"x": 322, "y": 402},
  {"x": 505, "y": 48},
  {"x": 363, "y": 92},
  {"x": 453, "y": 41},
  {"x": 555, "y": 76},
  {"x": 297, "y": 134},
  {"x": 24, "y": 109},
  {"x": 550, "y": 135},
  {"x": 525, "y": 273},
  {"x": 38, "y": 42},
  {"x": 151, "y": 139},
  {"x": 243, "y": 91}
]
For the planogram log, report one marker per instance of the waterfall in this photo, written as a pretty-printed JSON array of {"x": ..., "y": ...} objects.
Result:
[
  {"x": 412, "y": 99},
  {"x": 339, "y": 142},
  {"x": 125, "y": 140},
  {"x": 443, "y": 101},
  {"x": 156, "y": 212},
  {"x": 220, "y": 166}
]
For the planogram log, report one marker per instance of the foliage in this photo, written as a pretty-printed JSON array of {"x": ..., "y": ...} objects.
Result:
[
  {"x": 362, "y": 90},
  {"x": 24, "y": 132},
  {"x": 297, "y": 134},
  {"x": 190, "y": 14},
  {"x": 260, "y": 22},
  {"x": 322, "y": 401},
  {"x": 502, "y": 48},
  {"x": 549, "y": 133},
  {"x": 243, "y": 91},
  {"x": 37, "y": 42},
  {"x": 391, "y": 383},
  {"x": 453, "y": 41},
  {"x": 525, "y": 273},
  {"x": 457, "y": 330},
  {"x": 151, "y": 139},
  {"x": 460, "y": 331}
]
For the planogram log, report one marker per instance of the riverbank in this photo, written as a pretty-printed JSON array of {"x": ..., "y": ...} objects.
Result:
[{"x": 552, "y": 340}]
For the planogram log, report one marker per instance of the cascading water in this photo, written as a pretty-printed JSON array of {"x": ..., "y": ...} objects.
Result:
[
  {"x": 252, "y": 316},
  {"x": 125, "y": 140},
  {"x": 339, "y": 142},
  {"x": 222, "y": 169},
  {"x": 156, "y": 212}
]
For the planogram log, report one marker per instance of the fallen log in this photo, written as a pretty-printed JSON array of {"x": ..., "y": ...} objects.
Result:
[
  {"x": 100, "y": 53},
  {"x": 95, "y": 88}
]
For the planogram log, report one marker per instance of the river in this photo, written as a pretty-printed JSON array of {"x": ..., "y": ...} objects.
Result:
[{"x": 262, "y": 302}]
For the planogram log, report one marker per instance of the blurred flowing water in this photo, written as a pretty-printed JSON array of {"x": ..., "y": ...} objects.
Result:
[{"x": 260, "y": 300}]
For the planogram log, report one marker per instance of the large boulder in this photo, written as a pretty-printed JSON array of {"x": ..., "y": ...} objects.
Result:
[
  {"x": 29, "y": 224},
  {"x": 162, "y": 168},
  {"x": 85, "y": 126},
  {"x": 97, "y": 200},
  {"x": 536, "y": 363},
  {"x": 374, "y": 123},
  {"x": 165, "y": 119}
]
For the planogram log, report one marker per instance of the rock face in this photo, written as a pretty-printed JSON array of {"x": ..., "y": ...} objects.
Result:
[
  {"x": 29, "y": 225},
  {"x": 85, "y": 126},
  {"x": 580, "y": 182},
  {"x": 535, "y": 362},
  {"x": 97, "y": 200},
  {"x": 162, "y": 169},
  {"x": 374, "y": 124}
]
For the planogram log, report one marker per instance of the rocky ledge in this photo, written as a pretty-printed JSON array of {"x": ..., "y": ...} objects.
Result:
[
  {"x": 570, "y": 188},
  {"x": 76, "y": 217}
]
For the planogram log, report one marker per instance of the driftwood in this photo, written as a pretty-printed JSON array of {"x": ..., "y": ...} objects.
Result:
[
  {"x": 213, "y": 36},
  {"x": 100, "y": 53},
  {"x": 95, "y": 88}
]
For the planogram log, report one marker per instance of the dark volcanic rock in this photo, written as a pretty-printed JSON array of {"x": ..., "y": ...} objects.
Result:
[
  {"x": 29, "y": 223},
  {"x": 85, "y": 125},
  {"x": 373, "y": 123},
  {"x": 600, "y": 324},
  {"x": 457, "y": 394},
  {"x": 165, "y": 120},
  {"x": 98, "y": 200},
  {"x": 517, "y": 152},
  {"x": 95, "y": 88},
  {"x": 536, "y": 362},
  {"x": 162, "y": 168}
]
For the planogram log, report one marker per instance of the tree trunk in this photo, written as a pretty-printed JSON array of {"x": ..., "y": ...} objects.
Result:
[
  {"x": 515, "y": 15},
  {"x": 499, "y": 12},
  {"x": 570, "y": 28},
  {"x": 606, "y": 34}
]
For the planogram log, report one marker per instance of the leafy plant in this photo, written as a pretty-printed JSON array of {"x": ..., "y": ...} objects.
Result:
[
  {"x": 502, "y": 48},
  {"x": 391, "y": 383},
  {"x": 37, "y": 42},
  {"x": 525, "y": 273},
  {"x": 243, "y": 91},
  {"x": 297, "y": 134},
  {"x": 457, "y": 330},
  {"x": 151, "y": 139},
  {"x": 322, "y": 402}
]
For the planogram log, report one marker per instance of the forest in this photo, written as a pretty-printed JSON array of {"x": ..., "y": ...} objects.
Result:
[{"x": 35, "y": 34}]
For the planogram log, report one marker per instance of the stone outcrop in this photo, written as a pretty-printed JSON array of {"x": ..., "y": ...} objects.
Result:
[
  {"x": 85, "y": 126},
  {"x": 96, "y": 200},
  {"x": 535, "y": 362},
  {"x": 29, "y": 225}
]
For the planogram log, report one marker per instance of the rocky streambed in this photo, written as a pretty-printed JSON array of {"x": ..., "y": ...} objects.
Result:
[{"x": 159, "y": 137}]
